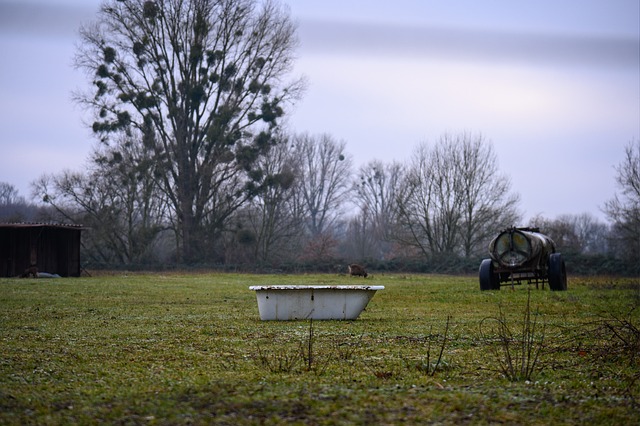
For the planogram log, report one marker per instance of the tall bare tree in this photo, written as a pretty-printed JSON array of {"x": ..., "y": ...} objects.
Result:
[
  {"x": 453, "y": 197},
  {"x": 429, "y": 210},
  {"x": 624, "y": 208},
  {"x": 324, "y": 177},
  {"x": 201, "y": 84},
  {"x": 375, "y": 193},
  {"x": 487, "y": 201}
]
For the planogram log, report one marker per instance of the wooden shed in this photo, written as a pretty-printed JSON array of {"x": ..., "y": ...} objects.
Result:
[{"x": 52, "y": 248}]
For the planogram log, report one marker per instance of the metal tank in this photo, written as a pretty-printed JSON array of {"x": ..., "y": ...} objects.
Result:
[{"x": 522, "y": 255}]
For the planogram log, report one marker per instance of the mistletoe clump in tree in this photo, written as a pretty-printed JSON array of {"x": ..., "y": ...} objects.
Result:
[{"x": 200, "y": 85}]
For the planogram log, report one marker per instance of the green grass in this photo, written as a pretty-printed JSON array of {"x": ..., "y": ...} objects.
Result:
[{"x": 190, "y": 349}]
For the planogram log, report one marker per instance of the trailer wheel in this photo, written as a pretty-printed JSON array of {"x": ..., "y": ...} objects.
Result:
[
  {"x": 488, "y": 279},
  {"x": 557, "y": 273}
]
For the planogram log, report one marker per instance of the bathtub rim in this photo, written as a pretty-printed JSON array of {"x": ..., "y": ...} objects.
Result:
[{"x": 316, "y": 287}]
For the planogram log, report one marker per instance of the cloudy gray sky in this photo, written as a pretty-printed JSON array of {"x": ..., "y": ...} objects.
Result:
[{"x": 555, "y": 85}]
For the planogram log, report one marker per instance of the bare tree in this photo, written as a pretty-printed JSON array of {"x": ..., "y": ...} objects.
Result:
[
  {"x": 201, "y": 85},
  {"x": 9, "y": 194},
  {"x": 487, "y": 203},
  {"x": 592, "y": 234},
  {"x": 375, "y": 193},
  {"x": 116, "y": 198},
  {"x": 453, "y": 197},
  {"x": 429, "y": 209},
  {"x": 324, "y": 176},
  {"x": 14, "y": 207},
  {"x": 575, "y": 233},
  {"x": 274, "y": 216},
  {"x": 624, "y": 208},
  {"x": 360, "y": 241}
]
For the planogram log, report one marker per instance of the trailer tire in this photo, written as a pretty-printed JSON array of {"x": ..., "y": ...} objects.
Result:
[
  {"x": 557, "y": 273},
  {"x": 488, "y": 279}
]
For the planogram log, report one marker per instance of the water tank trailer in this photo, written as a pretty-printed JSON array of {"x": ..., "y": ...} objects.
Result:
[{"x": 523, "y": 255}]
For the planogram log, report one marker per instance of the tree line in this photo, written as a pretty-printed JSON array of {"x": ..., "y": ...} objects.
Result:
[
  {"x": 194, "y": 165},
  {"x": 435, "y": 212}
]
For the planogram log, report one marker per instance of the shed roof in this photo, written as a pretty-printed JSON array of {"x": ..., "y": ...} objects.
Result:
[{"x": 41, "y": 225}]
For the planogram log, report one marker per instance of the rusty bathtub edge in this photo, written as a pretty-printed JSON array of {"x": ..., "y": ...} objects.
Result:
[{"x": 316, "y": 287}]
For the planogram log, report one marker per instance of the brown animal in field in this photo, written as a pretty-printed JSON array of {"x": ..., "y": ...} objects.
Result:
[
  {"x": 31, "y": 271},
  {"x": 356, "y": 270}
]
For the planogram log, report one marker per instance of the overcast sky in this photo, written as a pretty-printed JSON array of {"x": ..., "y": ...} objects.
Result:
[{"x": 553, "y": 84}]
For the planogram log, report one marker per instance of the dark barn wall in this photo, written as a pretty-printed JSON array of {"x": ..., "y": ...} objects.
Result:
[{"x": 52, "y": 248}]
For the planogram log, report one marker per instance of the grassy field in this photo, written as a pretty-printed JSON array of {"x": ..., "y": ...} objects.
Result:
[{"x": 190, "y": 349}]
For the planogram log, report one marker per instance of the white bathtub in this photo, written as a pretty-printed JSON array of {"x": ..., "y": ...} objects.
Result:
[{"x": 321, "y": 302}]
